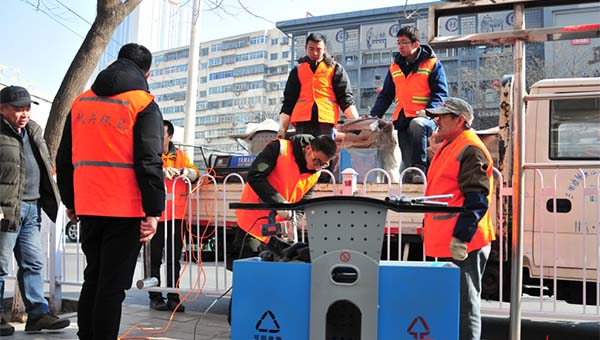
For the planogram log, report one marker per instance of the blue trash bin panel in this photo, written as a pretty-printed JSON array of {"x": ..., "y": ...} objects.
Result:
[
  {"x": 417, "y": 300},
  {"x": 270, "y": 300}
]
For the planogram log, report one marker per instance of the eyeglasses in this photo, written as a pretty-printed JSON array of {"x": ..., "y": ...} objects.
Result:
[
  {"x": 404, "y": 42},
  {"x": 317, "y": 162}
]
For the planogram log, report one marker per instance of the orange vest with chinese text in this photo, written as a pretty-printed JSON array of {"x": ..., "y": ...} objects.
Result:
[{"x": 104, "y": 180}]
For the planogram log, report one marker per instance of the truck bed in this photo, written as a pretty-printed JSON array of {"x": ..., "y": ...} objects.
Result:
[{"x": 219, "y": 197}]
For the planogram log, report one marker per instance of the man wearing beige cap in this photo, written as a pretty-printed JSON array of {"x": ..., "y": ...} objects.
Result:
[
  {"x": 462, "y": 166},
  {"x": 26, "y": 187}
]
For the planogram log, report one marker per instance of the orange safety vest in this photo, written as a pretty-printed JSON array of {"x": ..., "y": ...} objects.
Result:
[
  {"x": 104, "y": 179},
  {"x": 442, "y": 178},
  {"x": 316, "y": 88},
  {"x": 412, "y": 91},
  {"x": 286, "y": 179},
  {"x": 181, "y": 188}
]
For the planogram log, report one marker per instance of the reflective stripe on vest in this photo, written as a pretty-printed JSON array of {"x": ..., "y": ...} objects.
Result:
[
  {"x": 102, "y": 153},
  {"x": 316, "y": 88},
  {"x": 412, "y": 92},
  {"x": 181, "y": 188},
  {"x": 443, "y": 179},
  {"x": 286, "y": 179}
]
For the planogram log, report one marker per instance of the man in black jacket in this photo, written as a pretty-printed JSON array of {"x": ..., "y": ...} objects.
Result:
[
  {"x": 109, "y": 172},
  {"x": 26, "y": 187},
  {"x": 315, "y": 91}
]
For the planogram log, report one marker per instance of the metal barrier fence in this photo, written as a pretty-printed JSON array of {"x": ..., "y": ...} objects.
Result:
[{"x": 562, "y": 243}]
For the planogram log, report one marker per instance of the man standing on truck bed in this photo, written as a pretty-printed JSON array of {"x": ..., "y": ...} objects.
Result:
[
  {"x": 461, "y": 166},
  {"x": 417, "y": 81},
  {"x": 284, "y": 172},
  {"x": 315, "y": 91}
]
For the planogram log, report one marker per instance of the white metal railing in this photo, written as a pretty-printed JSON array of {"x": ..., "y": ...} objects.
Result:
[{"x": 65, "y": 260}]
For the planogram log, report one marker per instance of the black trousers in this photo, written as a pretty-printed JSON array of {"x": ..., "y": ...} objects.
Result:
[
  {"x": 111, "y": 246},
  {"x": 157, "y": 246},
  {"x": 315, "y": 129}
]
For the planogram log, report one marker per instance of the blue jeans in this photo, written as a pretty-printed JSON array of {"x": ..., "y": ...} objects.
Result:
[
  {"x": 413, "y": 141},
  {"x": 471, "y": 274},
  {"x": 25, "y": 243}
]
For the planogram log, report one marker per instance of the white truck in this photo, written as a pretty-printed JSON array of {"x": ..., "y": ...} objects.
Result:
[
  {"x": 562, "y": 213},
  {"x": 563, "y": 116}
]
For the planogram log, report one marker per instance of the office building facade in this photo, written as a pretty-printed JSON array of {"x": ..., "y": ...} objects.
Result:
[
  {"x": 156, "y": 24},
  {"x": 240, "y": 80},
  {"x": 365, "y": 43}
]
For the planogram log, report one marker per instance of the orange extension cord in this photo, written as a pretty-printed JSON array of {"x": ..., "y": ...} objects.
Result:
[{"x": 202, "y": 275}]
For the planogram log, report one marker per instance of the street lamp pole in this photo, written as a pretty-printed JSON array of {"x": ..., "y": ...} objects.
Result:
[{"x": 192, "y": 84}]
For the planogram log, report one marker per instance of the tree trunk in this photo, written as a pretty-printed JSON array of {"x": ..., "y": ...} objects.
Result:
[{"x": 109, "y": 14}]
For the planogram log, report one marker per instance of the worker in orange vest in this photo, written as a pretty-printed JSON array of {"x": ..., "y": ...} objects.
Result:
[
  {"x": 461, "y": 166},
  {"x": 176, "y": 165},
  {"x": 314, "y": 92},
  {"x": 416, "y": 81},
  {"x": 109, "y": 173},
  {"x": 284, "y": 172}
]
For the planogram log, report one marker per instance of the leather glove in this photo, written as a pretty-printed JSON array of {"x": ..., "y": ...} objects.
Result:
[
  {"x": 422, "y": 114},
  {"x": 458, "y": 249},
  {"x": 287, "y": 214},
  {"x": 170, "y": 173},
  {"x": 190, "y": 173}
]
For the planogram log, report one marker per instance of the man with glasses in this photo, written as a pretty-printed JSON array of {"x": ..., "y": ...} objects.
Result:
[
  {"x": 417, "y": 81},
  {"x": 26, "y": 187},
  {"x": 284, "y": 172}
]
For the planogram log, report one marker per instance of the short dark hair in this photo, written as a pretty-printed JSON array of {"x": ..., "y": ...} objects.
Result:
[
  {"x": 411, "y": 32},
  {"x": 139, "y": 54},
  {"x": 170, "y": 127},
  {"x": 326, "y": 144},
  {"x": 316, "y": 37}
]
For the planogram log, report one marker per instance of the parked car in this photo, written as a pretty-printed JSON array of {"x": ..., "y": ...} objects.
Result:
[{"x": 72, "y": 231}]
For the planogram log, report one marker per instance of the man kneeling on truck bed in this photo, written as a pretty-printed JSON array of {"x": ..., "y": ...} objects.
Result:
[
  {"x": 461, "y": 166},
  {"x": 285, "y": 171}
]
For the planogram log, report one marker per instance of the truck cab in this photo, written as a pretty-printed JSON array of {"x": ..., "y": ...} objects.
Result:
[{"x": 561, "y": 233}]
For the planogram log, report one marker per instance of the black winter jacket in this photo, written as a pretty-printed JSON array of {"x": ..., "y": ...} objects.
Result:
[
  {"x": 12, "y": 174},
  {"x": 122, "y": 76}
]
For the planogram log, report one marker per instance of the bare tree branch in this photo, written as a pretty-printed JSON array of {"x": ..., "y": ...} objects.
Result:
[{"x": 109, "y": 14}]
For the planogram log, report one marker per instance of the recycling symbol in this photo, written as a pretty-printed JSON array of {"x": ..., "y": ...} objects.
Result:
[{"x": 267, "y": 323}]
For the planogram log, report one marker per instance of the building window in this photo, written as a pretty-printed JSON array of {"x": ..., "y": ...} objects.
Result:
[
  {"x": 274, "y": 56},
  {"x": 285, "y": 54},
  {"x": 274, "y": 41}
]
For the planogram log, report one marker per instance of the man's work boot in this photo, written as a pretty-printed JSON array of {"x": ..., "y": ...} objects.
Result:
[
  {"x": 158, "y": 303},
  {"x": 417, "y": 178},
  {"x": 5, "y": 328},
  {"x": 172, "y": 302},
  {"x": 36, "y": 323}
]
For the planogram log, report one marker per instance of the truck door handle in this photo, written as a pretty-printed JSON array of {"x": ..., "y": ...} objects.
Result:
[{"x": 563, "y": 205}]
